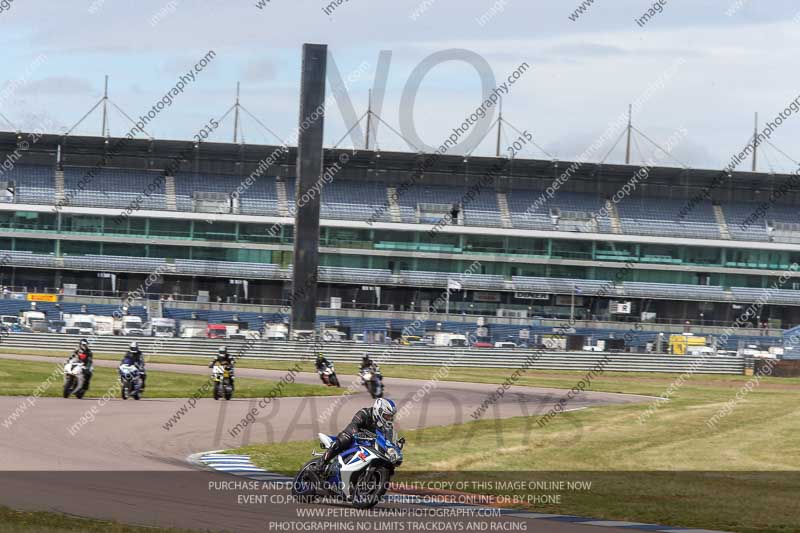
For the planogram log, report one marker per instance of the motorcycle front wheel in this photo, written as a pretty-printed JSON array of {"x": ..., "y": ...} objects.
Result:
[
  {"x": 305, "y": 483},
  {"x": 228, "y": 388},
  {"x": 68, "y": 383},
  {"x": 370, "y": 488},
  {"x": 335, "y": 381}
]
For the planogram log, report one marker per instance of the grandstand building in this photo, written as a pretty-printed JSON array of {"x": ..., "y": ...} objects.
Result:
[{"x": 685, "y": 244}]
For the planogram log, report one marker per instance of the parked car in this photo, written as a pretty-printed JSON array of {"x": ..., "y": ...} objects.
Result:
[
  {"x": 504, "y": 344},
  {"x": 482, "y": 343}
]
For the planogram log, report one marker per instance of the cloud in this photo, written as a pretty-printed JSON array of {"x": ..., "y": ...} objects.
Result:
[
  {"x": 59, "y": 85},
  {"x": 262, "y": 70}
]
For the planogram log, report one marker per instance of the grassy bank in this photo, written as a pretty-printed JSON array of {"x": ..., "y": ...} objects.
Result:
[
  {"x": 22, "y": 378},
  {"x": 25, "y": 522},
  {"x": 670, "y": 467}
]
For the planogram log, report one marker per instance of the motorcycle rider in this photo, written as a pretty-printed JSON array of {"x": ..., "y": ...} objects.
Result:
[
  {"x": 366, "y": 362},
  {"x": 225, "y": 359},
  {"x": 321, "y": 362},
  {"x": 84, "y": 354},
  {"x": 135, "y": 357},
  {"x": 379, "y": 416}
]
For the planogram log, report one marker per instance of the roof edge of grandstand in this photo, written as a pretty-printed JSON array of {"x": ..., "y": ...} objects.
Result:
[{"x": 241, "y": 159}]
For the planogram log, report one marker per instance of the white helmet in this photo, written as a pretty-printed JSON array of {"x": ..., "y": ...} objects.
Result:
[{"x": 384, "y": 410}]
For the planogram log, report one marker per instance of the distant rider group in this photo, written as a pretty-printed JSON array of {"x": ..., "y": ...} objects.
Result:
[{"x": 79, "y": 369}]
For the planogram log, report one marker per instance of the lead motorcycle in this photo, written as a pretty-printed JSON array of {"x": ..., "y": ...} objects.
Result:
[
  {"x": 360, "y": 475},
  {"x": 130, "y": 378},
  {"x": 222, "y": 376},
  {"x": 74, "y": 378},
  {"x": 372, "y": 379}
]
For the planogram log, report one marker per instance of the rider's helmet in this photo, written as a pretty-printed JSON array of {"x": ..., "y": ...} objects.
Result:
[
  {"x": 222, "y": 353},
  {"x": 134, "y": 347},
  {"x": 83, "y": 345},
  {"x": 383, "y": 410},
  {"x": 319, "y": 355}
]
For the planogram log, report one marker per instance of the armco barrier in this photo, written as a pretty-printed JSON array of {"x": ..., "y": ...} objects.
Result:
[{"x": 402, "y": 355}]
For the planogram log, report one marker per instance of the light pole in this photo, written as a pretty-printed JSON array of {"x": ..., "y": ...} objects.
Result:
[{"x": 572, "y": 305}]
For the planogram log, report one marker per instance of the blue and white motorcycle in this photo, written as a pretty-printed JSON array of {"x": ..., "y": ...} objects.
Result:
[
  {"x": 359, "y": 475},
  {"x": 130, "y": 379}
]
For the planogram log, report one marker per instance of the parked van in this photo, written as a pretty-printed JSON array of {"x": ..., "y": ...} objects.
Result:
[
  {"x": 78, "y": 324},
  {"x": 35, "y": 321},
  {"x": 217, "y": 331},
  {"x": 193, "y": 329},
  {"x": 161, "y": 327},
  {"x": 103, "y": 325},
  {"x": 129, "y": 325}
]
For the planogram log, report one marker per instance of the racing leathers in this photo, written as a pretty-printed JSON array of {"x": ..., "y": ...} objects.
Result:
[
  {"x": 85, "y": 356},
  {"x": 322, "y": 363},
  {"x": 363, "y": 420},
  {"x": 136, "y": 358}
]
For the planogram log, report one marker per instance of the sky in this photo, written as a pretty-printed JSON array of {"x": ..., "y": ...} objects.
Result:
[{"x": 699, "y": 67}]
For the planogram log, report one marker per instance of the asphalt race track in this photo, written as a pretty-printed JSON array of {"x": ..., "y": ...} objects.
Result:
[{"x": 121, "y": 463}]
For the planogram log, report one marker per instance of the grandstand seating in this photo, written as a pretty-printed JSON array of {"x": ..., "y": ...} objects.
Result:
[
  {"x": 114, "y": 188},
  {"x": 663, "y": 217},
  {"x": 258, "y": 198},
  {"x": 255, "y": 321},
  {"x": 440, "y": 279},
  {"x": 351, "y": 200},
  {"x": 10, "y": 306},
  {"x": 34, "y": 184},
  {"x": 411, "y": 200},
  {"x": 566, "y": 211},
  {"x": 344, "y": 199}
]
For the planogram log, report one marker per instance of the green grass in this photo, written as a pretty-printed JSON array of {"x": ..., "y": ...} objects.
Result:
[
  {"x": 651, "y": 384},
  {"x": 744, "y": 475},
  {"x": 22, "y": 378},
  {"x": 40, "y": 522}
]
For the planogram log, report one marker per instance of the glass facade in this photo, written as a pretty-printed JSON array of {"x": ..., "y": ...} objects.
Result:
[{"x": 395, "y": 250}]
